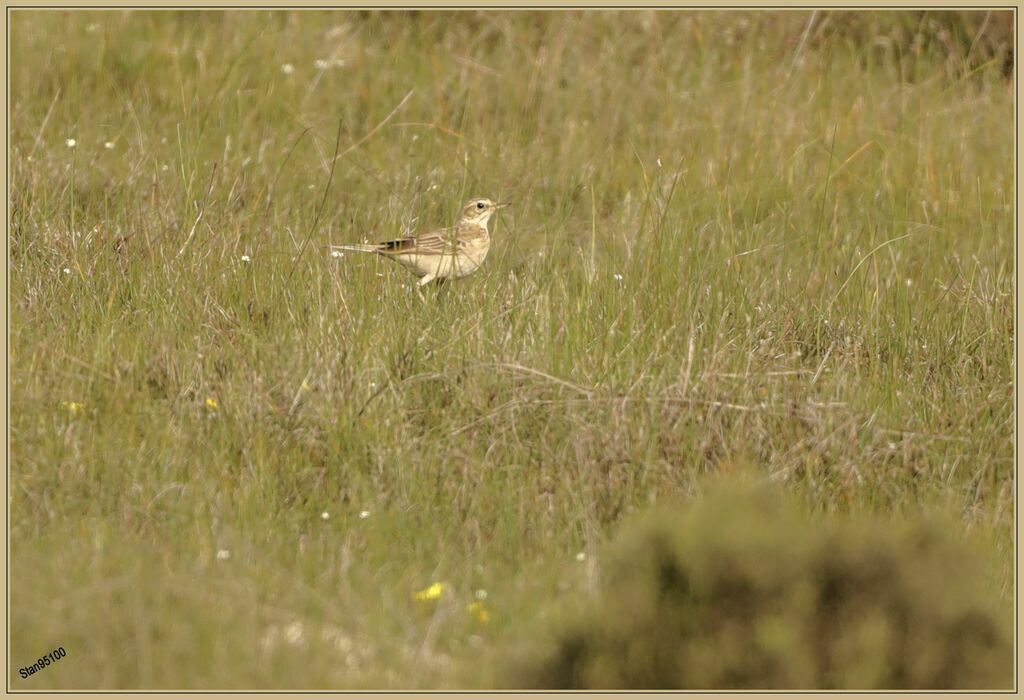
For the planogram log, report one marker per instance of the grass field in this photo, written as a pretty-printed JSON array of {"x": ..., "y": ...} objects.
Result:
[{"x": 740, "y": 242}]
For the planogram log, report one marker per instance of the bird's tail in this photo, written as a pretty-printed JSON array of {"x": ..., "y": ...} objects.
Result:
[{"x": 358, "y": 247}]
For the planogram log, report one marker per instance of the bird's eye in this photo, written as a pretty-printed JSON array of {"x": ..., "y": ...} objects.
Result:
[{"x": 480, "y": 205}]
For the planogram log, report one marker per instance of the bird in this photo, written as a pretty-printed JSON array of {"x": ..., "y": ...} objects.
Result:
[{"x": 441, "y": 254}]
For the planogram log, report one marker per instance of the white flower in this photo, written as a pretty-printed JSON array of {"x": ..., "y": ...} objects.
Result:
[
  {"x": 223, "y": 555},
  {"x": 294, "y": 633},
  {"x": 70, "y": 143},
  {"x": 325, "y": 515},
  {"x": 618, "y": 277},
  {"x": 581, "y": 556},
  {"x": 109, "y": 145},
  {"x": 336, "y": 254},
  {"x": 364, "y": 514},
  {"x": 659, "y": 162},
  {"x": 480, "y": 594},
  {"x": 246, "y": 258},
  {"x": 287, "y": 68},
  {"x": 67, "y": 270}
]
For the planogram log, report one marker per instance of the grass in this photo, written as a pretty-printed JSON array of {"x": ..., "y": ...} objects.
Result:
[{"x": 738, "y": 241}]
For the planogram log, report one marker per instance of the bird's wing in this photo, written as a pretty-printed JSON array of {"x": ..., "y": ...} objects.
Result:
[{"x": 434, "y": 243}]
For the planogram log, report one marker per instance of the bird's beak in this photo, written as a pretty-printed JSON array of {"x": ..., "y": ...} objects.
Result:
[{"x": 501, "y": 205}]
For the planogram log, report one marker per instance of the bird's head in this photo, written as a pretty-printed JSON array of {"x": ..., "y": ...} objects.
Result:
[{"x": 478, "y": 211}]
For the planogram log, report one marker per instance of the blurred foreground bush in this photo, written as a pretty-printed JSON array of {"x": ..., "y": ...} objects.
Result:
[{"x": 741, "y": 591}]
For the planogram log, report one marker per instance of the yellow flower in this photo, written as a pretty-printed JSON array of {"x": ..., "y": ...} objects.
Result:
[
  {"x": 72, "y": 407},
  {"x": 431, "y": 592},
  {"x": 211, "y": 403},
  {"x": 479, "y": 612}
]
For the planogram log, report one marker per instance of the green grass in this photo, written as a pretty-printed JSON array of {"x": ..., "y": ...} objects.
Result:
[{"x": 729, "y": 246}]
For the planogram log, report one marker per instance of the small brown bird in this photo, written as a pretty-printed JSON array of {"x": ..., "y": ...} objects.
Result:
[{"x": 448, "y": 253}]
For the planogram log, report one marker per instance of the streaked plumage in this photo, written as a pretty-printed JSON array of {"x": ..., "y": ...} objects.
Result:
[{"x": 448, "y": 253}]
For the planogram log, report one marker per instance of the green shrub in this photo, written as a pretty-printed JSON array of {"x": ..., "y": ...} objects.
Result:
[{"x": 743, "y": 591}]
